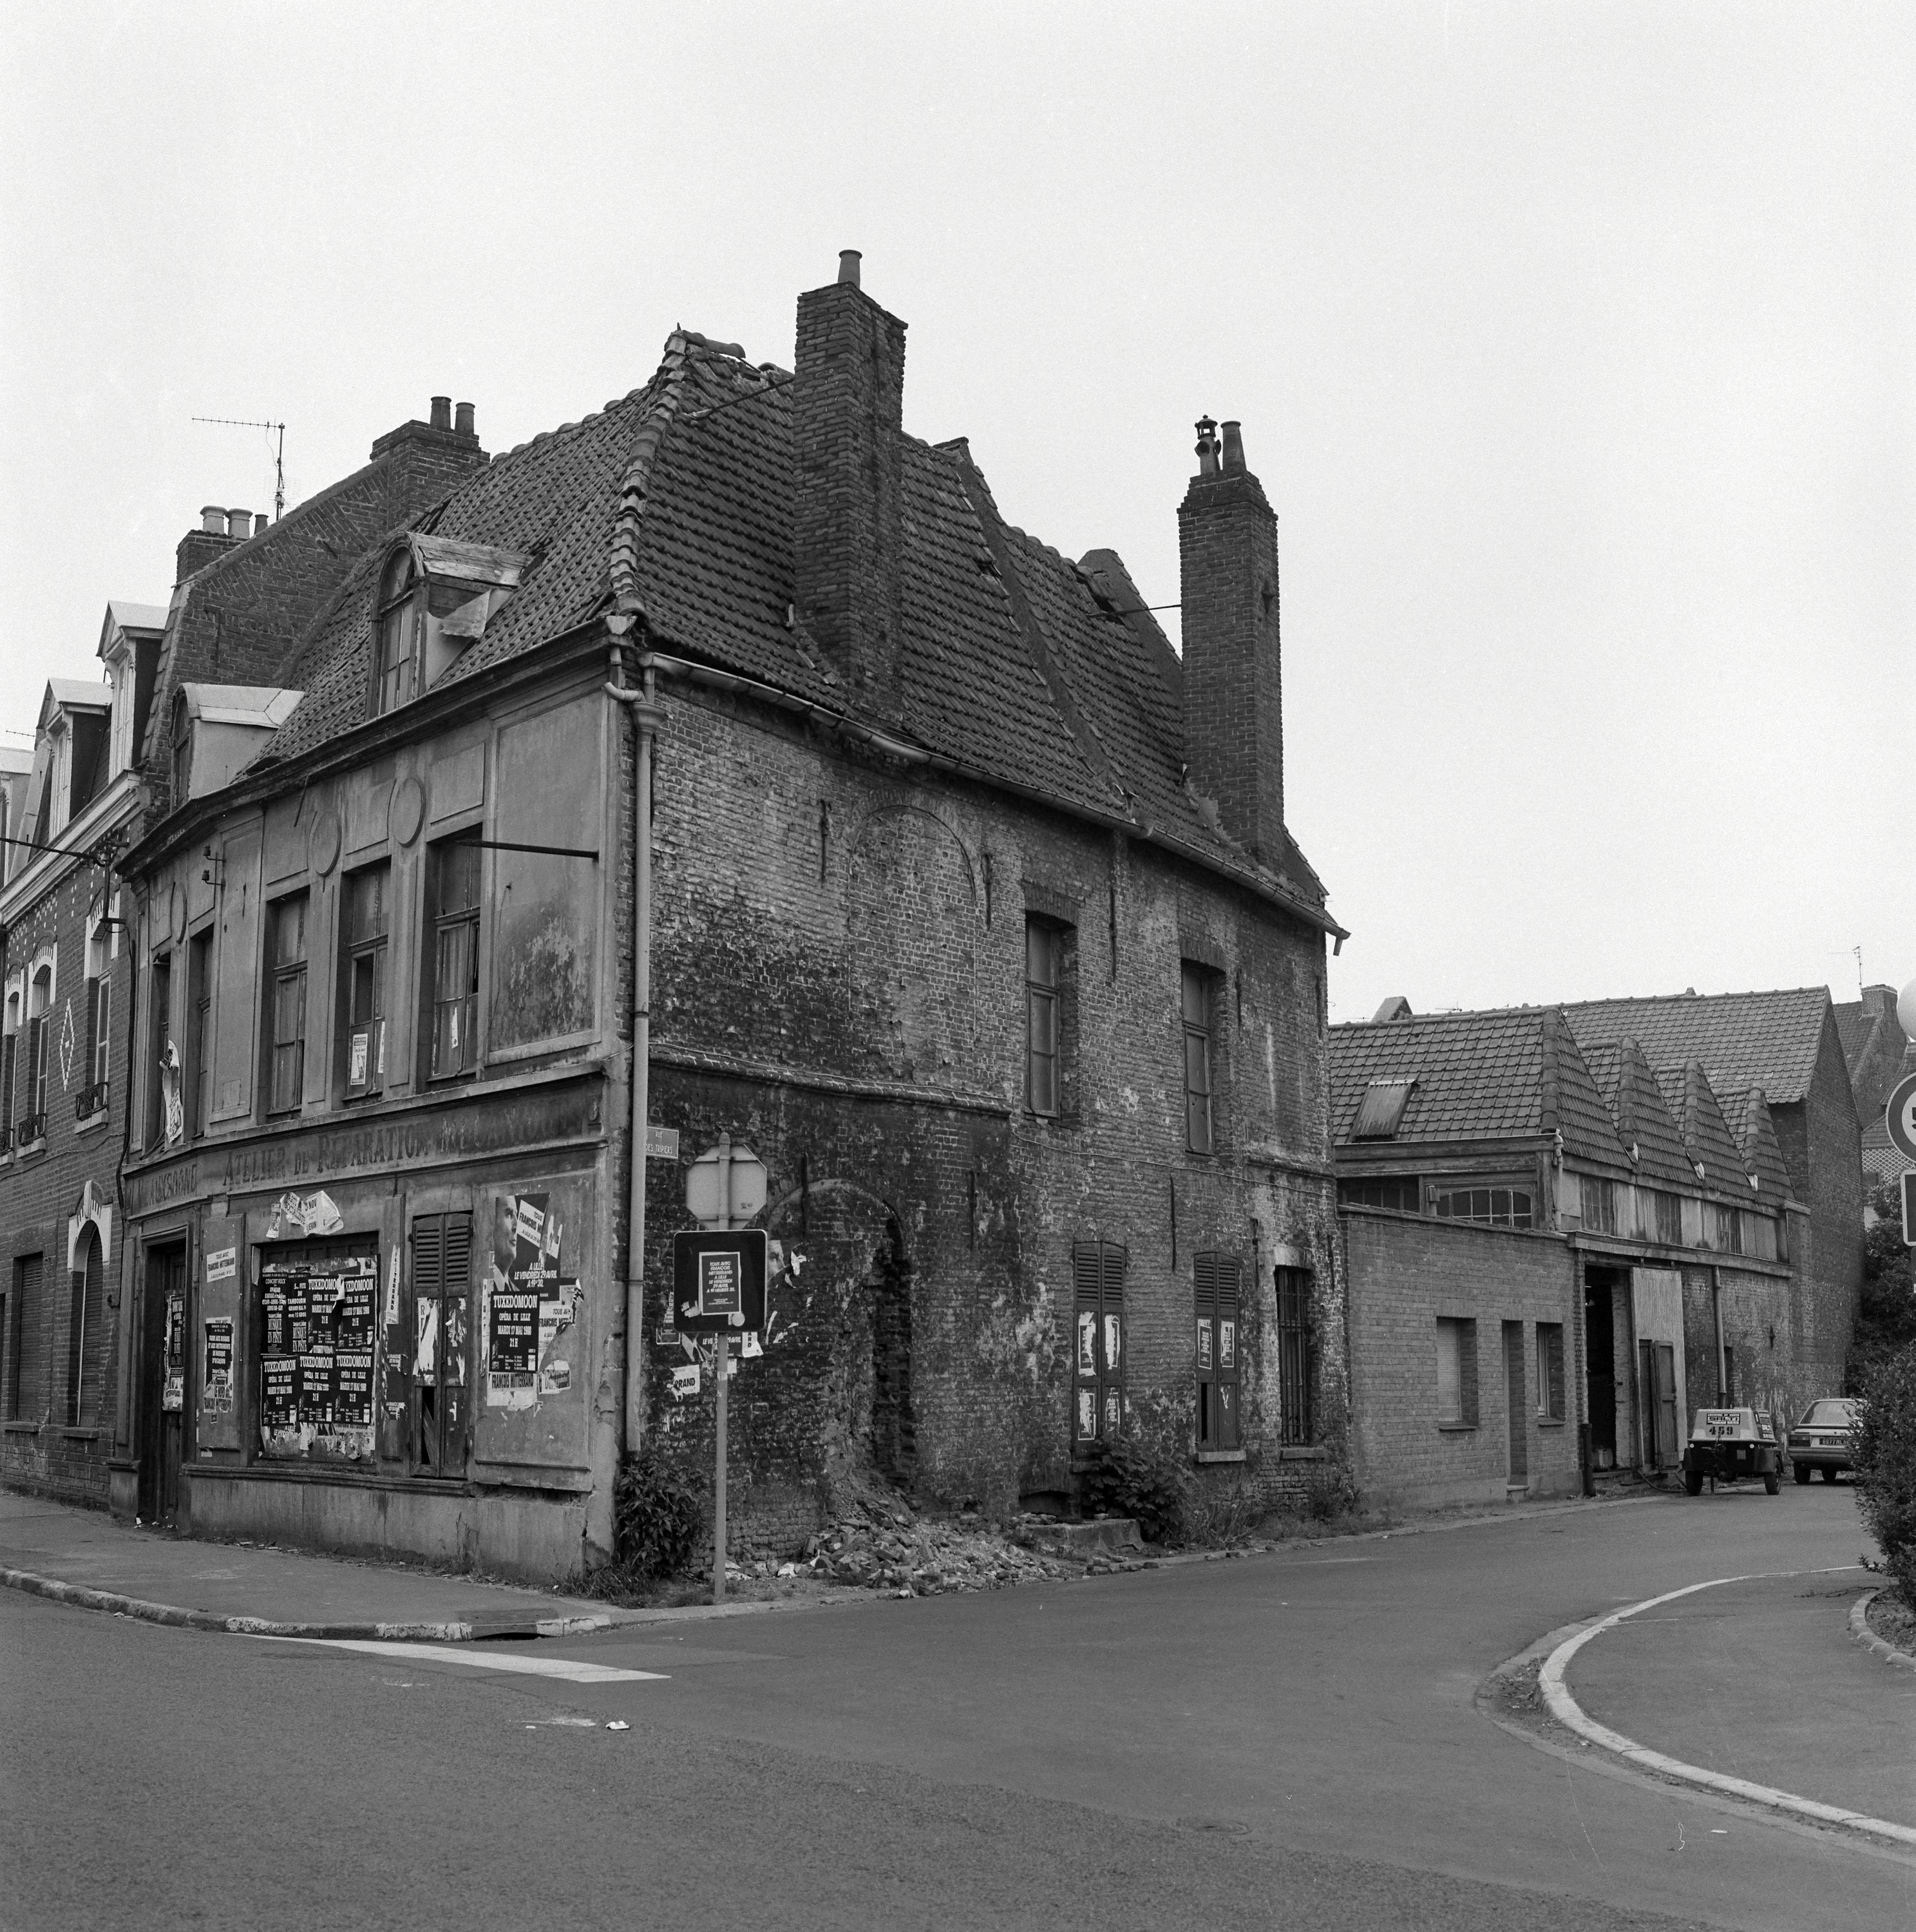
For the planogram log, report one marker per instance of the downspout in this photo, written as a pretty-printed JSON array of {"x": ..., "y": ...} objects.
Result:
[{"x": 648, "y": 717}]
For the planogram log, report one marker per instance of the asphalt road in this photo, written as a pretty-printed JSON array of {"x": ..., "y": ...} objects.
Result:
[{"x": 1288, "y": 1740}]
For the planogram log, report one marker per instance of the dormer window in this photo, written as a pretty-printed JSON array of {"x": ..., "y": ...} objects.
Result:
[
  {"x": 182, "y": 747},
  {"x": 435, "y": 597}
]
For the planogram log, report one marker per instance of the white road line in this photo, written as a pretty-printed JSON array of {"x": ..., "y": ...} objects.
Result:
[
  {"x": 570, "y": 1670},
  {"x": 1567, "y": 1710}
]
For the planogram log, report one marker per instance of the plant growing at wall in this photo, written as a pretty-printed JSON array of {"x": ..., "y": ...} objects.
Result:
[
  {"x": 1124, "y": 1477},
  {"x": 656, "y": 1520},
  {"x": 1884, "y": 1451},
  {"x": 1886, "y": 1309}
]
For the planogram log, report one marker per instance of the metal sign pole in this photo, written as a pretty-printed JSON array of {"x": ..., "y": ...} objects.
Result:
[{"x": 721, "y": 1369}]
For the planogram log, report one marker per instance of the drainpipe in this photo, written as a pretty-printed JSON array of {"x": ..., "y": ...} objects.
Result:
[
  {"x": 1717, "y": 1316},
  {"x": 648, "y": 716}
]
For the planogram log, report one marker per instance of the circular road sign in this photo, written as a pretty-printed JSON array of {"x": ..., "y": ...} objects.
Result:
[{"x": 1900, "y": 1117}]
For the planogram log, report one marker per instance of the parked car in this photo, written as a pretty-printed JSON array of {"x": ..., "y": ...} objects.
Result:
[
  {"x": 1820, "y": 1438},
  {"x": 1727, "y": 1443}
]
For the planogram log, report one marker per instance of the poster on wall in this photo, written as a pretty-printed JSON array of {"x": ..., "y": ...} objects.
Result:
[
  {"x": 172, "y": 1390},
  {"x": 318, "y": 1343},
  {"x": 530, "y": 1305},
  {"x": 217, "y": 1369}
]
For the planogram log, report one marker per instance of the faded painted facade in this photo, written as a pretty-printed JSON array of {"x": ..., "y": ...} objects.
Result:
[{"x": 1016, "y": 986}]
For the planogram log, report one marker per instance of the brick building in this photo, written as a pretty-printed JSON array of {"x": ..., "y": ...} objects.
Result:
[
  {"x": 962, "y": 900},
  {"x": 1596, "y": 1217},
  {"x": 67, "y": 984},
  {"x": 1879, "y": 1052}
]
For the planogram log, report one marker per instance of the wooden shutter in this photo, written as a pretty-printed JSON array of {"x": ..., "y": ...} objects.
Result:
[
  {"x": 1204, "y": 1278},
  {"x": 1230, "y": 1352},
  {"x": 442, "y": 1283},
  {"x": 1098, "y": 1341}
]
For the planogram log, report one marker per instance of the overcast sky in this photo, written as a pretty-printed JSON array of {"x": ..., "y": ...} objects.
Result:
[{"x": 1572, "y": 344}]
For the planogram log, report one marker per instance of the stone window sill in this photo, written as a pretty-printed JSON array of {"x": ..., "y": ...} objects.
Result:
[
  {"x": 92, "y": 1126},
  {"x": 1304, "y": 1453},
  {"x": 79, "y": 1435},
  {"x": 1456, "y": 1428},
  {"x": 1223, "y": 1456},
  {"x": 1552, "y": 1422},
  {"x": 23, "y": 1429}
]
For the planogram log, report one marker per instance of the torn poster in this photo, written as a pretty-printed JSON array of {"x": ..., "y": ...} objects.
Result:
[
  {"x": 528, "y": 1305},
  {"x": 317, "y": 1214},
  {"x": 216, "y": 1370},
  {"x": 685, "y": 1382}
]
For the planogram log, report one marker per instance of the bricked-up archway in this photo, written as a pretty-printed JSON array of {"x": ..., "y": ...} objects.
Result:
[{"x": 911, "y": 916}]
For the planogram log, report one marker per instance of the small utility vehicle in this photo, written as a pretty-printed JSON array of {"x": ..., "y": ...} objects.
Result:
[{"x": 1726, "y": 1443}]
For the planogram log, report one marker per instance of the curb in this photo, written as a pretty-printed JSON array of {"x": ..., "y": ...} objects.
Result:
[
  {"x": 175, "y": 1618},
  {"x": 1567, "y": 1711},
  {"x": 1859, "y": 1628}
]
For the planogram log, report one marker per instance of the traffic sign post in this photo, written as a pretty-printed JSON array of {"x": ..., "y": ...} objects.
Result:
[
  {"x": 719, "y": 1288},
  {"x": 1900, "y": 1117}
]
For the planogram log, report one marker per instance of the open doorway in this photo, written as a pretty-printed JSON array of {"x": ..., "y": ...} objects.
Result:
[
  {"x": 1599, "y": 1331},
  {"x": 163, "y": 1400}
]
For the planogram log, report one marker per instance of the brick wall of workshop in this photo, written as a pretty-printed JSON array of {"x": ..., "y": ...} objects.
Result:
[
  {"x": 838, "y": 980},
  {"x": 39, "y": 1191},
  {"x": 1756, "y": 1311},
  {"x": 1406, "y": 1271}
]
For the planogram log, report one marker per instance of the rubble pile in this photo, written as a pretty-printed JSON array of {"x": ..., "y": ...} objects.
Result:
[{"x": 912, "y": 1555}]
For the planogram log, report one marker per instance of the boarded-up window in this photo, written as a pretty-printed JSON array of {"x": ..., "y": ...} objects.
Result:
[
  {"x": 1098, "y": 1342},
  {"x": 1456, "y": 1371},
  {"x": 22, "y": 1312},
  {"x": 1219, "y": 1347}
]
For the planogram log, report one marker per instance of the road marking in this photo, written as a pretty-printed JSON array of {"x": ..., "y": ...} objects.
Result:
[
  {"x": 570, "y": 1670},
  {"x": 1566, "y": 1711}
]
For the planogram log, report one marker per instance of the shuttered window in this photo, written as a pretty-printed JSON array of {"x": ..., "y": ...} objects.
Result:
[
  {"x": 22, "y": 1391},
  {"x": 441, "y": 1400},
  {"x": 1097, "y": 1271},
  {"x": 1219, "y": 1344}
]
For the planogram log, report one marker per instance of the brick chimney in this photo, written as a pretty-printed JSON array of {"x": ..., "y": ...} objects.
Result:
[
  {"x": 428, "y": 458},
  {"x": 848, "y": 537},
  {"x": 1233, "y": 716},
  {"x": 198, "y": 546}
]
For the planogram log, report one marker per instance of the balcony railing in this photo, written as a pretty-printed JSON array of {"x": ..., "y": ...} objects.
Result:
[
  {"x": 92, "y": 1100},
  {"x": 30, "y": 1128}
]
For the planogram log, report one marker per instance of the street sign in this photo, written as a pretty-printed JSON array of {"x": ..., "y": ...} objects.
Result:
[
  {"x": 718, "y": 1281},
  {"x": 1909, "y": 1208},
  {"x": 720, "y": 1170},
  {"x": 661, "y": 1143},
  {"x": 1899, "y": 1117}
]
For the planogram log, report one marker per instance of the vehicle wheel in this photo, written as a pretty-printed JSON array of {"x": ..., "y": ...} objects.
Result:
[
  {"x": 1772, "y": 1484},
  {"x": 1804, "y": 1471},
  {"x": 1829, "y": 1474},
  {"x": 1693, "y": 1481}
]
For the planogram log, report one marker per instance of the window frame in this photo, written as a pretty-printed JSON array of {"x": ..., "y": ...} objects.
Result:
[
  {"x": 443, "y": 928},
  {"x": 372, "y": 950},
  {"x": 1600, "y": 1191},
  {"x": 287, "y": 986},
  {"x": 1297, "y": 1358},
  {"x": 1196, "y": 986},
  {"x": 159, "y": 1023},
  {"x": 196, "y": 1079},
  {"x": 9, "y": 1041},
  {"x": 86, "y": 1287},
  {"x": 1044, "y": 1009},
  {"x": 28, "y": 1272},
  {"x": 397, "y": 606},
  {"x": 1552, "y": 1398},
  {"x": 40, "y": 997},
  {"x": 1352, "y": 1189},
  {"x": 1445, "y": 1194}
]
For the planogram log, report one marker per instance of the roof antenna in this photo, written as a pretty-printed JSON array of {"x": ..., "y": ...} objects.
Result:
[
  {"x": 1860, "y": 988},
  {"x": 279, "y": 455}
]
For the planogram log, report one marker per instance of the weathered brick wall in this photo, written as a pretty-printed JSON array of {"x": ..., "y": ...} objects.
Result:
[
  {"x": 1756, "y": 1310},
  {"x": 1822, "y": 1144},
  {"x": 839, "y": 980},
  {"x": 1404, "y": 1273},
  {"x": 40, "y": 1449}
]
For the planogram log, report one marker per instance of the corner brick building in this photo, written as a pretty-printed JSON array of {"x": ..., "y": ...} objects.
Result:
[{"x": 963, "y": 901}]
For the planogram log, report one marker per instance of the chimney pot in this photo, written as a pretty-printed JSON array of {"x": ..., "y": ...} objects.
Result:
[
  {"x": 1233, "y": 448},
  {"x": 848, "y": 261},
  {"x": 462, "y": 419},
  {"x": 1207, "y": 446},
  {"x": 442, "y": 413},
  {"x": 239, "y": 524},
  {"x": 213, "y": 520},
  {"x": 260, "y": 523}
]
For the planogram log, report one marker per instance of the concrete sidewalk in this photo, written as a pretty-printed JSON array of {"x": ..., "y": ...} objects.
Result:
[
  {"x": 1763, "y": 1681},
  {"x": 82, "y": 1556}
]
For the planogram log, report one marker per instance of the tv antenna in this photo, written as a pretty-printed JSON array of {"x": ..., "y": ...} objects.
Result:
[{"x": 279, "y": 455}]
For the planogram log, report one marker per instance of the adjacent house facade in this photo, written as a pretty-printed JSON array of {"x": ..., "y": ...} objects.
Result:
[
  {"x": 67, "y": 982},
  {"x": 1879, "y": 1052},
  {"x": 724, "y": 763},
  {"x": 1569, "y": 1228}
]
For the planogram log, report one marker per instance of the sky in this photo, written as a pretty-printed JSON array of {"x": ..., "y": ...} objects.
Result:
[{"x": 1573, "y": 344}]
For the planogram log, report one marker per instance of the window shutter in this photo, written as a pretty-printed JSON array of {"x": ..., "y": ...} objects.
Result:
[
  {"x": 1466, "y": 1370},
  {"x": 1230, "y": 1349},
  {"x": 92, "y": 1029},
  {"x": 1098, "y": 1340}
]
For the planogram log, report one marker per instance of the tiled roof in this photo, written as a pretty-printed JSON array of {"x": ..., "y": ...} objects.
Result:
[
  {"x": 1692, "y": 1102},
  {"x": 1628, "y": 1083},
  {"x": 704, "y": 451},
  {"x": 1854, "y": 1027},
  {"x": 1769, "y": 1040},
  {"x": 1479, "y": 1076},
  {"x": 1749, "y": 1116}
]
